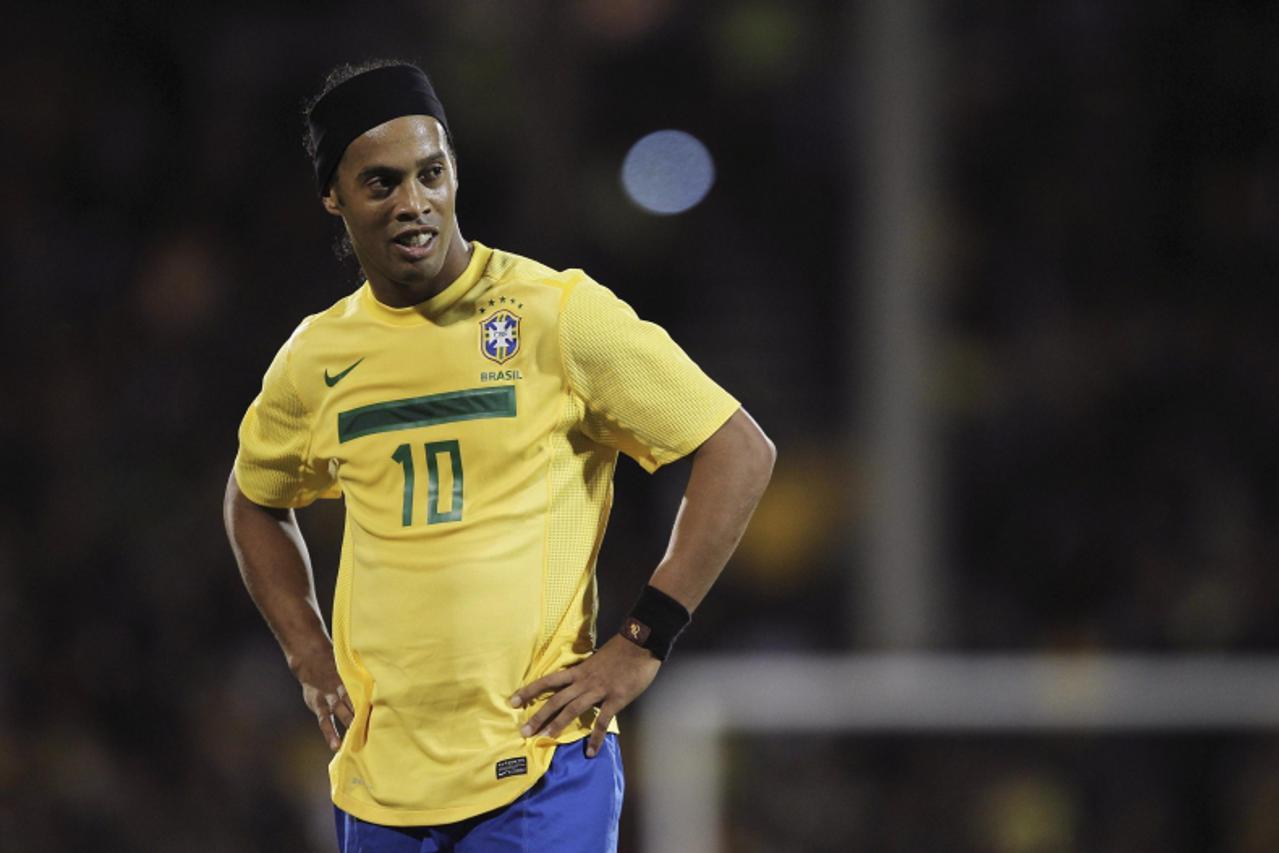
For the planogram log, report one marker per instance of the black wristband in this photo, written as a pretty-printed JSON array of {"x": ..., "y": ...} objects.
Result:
[{"x": 655, "y": 622}]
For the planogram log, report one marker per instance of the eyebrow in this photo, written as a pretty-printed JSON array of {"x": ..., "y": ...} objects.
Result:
[{"x": 391, "y": 171}]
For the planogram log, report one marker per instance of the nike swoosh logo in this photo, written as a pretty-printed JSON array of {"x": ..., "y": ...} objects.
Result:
[{"x": 333, "y": 380}]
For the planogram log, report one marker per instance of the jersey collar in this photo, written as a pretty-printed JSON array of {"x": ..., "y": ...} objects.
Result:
[{"x": 437, "y": 304}]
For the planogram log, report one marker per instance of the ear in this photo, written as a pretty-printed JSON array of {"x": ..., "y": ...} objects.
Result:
[
  {"x": 332, "y": 204},
  {"x": 448, "y": 150}
]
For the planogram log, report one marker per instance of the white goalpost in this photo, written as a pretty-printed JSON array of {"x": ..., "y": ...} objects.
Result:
[{"x": 693, "y": 705}]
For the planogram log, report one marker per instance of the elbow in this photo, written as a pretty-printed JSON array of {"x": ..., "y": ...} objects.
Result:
[
  {"x": 765, "y": 448},
  {"x": 764, "y": 452},
  {"x": 757, "y": 452}
]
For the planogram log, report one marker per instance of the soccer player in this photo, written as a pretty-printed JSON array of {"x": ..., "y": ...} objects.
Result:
[{"x": 469, "y": 404}]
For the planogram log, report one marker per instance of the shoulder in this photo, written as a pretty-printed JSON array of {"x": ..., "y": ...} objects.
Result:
[
  {"x": 575, "y": 298},
  {"x": 304, "y": 350},
  {"x": 315, "y": 329},
  {"x": 508, "y": 268}
]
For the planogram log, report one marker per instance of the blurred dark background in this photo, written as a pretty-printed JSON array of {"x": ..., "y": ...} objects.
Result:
[{"x": 1105, "y": 200}]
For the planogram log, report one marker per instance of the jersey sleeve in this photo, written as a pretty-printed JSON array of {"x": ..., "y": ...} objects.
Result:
[
  {"x": 643, "y": 395},
  {"x": 274, "y": 466}
]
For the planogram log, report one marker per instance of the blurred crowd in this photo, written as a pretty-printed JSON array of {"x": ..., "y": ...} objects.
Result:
[{"x": 1106, "y": 185}]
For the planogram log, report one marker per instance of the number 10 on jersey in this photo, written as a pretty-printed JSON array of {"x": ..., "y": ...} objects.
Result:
[{"x": 436, "y": 511}]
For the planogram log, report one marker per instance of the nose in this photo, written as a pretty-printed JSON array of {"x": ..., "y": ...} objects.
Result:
[{"x": 414, "y": 201}]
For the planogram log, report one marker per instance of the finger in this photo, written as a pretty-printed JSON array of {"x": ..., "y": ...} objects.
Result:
[
  {"x": 329, "y": 729},
  {"x": 339, "y": 705},
  {"x": 537, "y": 723},
  {"x": 343, "y": 711},
  {"x": 572, "y": 711},
  {"x": 600, "y": 731},
  {"x": 346, "y": 701},
  {"x": 546, "y": 683}
]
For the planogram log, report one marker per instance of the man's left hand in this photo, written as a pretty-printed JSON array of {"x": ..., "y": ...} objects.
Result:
[{"x": 611, "y": 678}]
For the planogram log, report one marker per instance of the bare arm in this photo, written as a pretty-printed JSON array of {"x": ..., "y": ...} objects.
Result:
[
  {"x": 276, "y": 569},
  {"x": 730, "y": 471}
]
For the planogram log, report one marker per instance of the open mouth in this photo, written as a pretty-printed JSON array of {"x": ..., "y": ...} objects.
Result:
[
  {"x": 416, "y": 239},
  {"x": 416, "y": 244}
]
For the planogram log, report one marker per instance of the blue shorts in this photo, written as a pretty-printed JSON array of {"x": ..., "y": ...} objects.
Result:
[{"x": 573, "y": 808}]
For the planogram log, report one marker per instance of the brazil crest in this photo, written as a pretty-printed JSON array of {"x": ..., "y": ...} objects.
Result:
[{"x": 500, "y": 336}]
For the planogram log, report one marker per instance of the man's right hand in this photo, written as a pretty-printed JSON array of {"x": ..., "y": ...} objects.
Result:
[
  {"x": 277, "y": 572},
  {"x": 325, "y": 695}
]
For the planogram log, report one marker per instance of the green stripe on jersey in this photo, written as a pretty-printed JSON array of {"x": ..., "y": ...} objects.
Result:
[{"x": 472, "y": 404}]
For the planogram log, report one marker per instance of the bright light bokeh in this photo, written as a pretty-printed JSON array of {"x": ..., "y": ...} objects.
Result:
[{"x": 668, "y": 172}]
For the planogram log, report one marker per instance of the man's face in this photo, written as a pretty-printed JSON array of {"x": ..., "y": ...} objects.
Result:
[{"x": 395, "y": 190}]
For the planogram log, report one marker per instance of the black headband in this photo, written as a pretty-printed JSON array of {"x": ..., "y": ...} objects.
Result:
[{"x": 363, "y": 102}]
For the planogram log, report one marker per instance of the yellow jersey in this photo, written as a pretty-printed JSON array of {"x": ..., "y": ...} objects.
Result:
[{"x": 473, "y": 439}]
